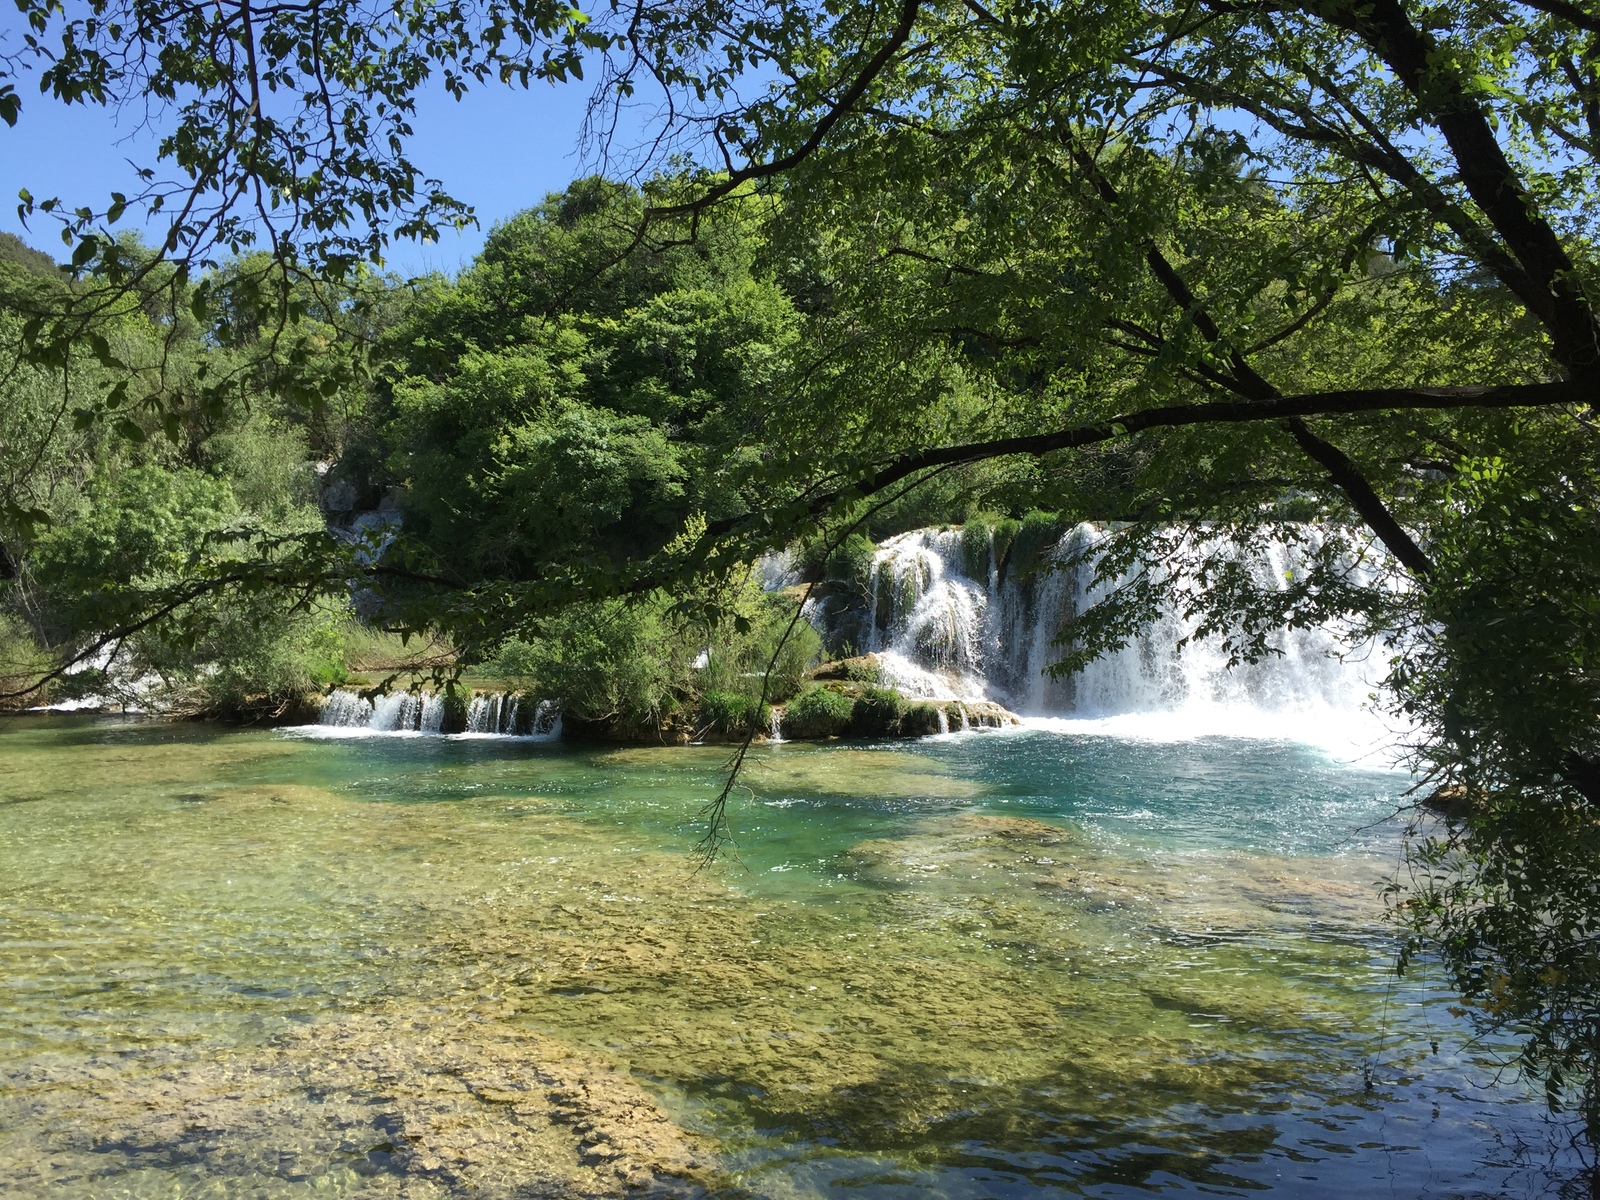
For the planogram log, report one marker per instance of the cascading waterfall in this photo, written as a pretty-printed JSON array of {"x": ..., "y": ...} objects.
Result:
[
  {"x": 946, "y": 624},
  {"x": 505, "y": 714},
  {"x": 927, "y": 619}
]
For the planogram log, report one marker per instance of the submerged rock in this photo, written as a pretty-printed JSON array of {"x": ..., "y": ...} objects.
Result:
[{"x": 427, "y": 1103}]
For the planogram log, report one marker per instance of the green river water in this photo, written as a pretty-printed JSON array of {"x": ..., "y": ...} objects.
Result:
[{"x": 992, "y": 965}]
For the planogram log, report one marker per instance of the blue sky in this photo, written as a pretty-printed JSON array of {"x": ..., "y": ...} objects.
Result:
[{"x": 499, "y": 150}]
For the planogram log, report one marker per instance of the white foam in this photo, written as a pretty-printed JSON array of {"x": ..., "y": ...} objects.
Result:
[{"x": 1356, "y": 737}]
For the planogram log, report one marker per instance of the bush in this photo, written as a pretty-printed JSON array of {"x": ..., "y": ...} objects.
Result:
[
  {"x": 920, "y": 720},
  {"x": 612, "y": 662},
  {"x": 731, "y": 712},
  {"x": 1035, "y": 539},
  {"x": 975, "y": 547},
  {"x": 515, "y": 659},
  {"x": 876, "y": 712},
  {"x": 1003, "y": 536},
  {"x": 817, "y": 712},
  {"x": 851, "y": 561}
]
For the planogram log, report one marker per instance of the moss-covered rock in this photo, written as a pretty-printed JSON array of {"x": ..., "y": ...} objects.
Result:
[
  {"x": 457, "y": 704},
  {"x": 863, "y": 668},
  {"x": 920, "y": 720},
  {"x": 729, "y": 713}
]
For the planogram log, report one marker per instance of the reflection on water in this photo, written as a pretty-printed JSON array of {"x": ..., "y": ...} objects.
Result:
[{"x": 991, "y": 965}]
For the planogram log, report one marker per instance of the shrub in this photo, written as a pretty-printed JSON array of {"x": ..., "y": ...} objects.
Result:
[
  {"x": 1037, "y": 536},
  {"x": 975, "y": 547},
  {"x": 876, "y": 712},
  {"x": 920, "y": 720},
  {"x": 817, "y": 712},
  {"x": 515, "y": 659},
  {"x": 1002, "y": 537},
  {"x": 730, "y": 712},
  {"x": 609, "y": 662},
  {"x": 851, "y": 561}
]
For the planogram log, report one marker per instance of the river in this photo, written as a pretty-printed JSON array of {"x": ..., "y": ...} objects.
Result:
[{"x": 1032, "y": 963}]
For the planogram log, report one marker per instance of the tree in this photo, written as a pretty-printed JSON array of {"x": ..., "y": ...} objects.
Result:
[{"x": 557, "y": 425}]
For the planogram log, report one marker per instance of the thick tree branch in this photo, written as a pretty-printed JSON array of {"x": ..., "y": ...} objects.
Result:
[
  {"x": 1569, "y": 13},
  {"x": 1378, "y": 154},
  {"x": 1423, "y": 67},
  {"x": 1367, "y": 502},
  {"x": 1244, "y": 380},
  {"x": 1226, "y": 412}
]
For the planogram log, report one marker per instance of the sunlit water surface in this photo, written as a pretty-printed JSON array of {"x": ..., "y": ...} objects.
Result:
[{"x": 989, "y": 965}]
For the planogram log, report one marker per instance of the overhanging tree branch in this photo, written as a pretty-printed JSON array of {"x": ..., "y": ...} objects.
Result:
[
  {"x": 1244, "y": 380},
  {"x": 1227, "y": 412},
  {"x": 1569, "y": 13},
  {"x": 1425, "y": 70}
]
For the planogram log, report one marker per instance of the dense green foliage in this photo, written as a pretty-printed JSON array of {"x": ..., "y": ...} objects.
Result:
[
  {"x": 548, "y": 417},
  {"x": 817, "y": 712},
  {"x": 647, "y": 669},
  {"x": 155, "y": 552}
]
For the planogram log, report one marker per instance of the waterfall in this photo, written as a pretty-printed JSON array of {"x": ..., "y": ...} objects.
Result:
[
  {"x": 345, "y": 710},
  {"x": 502, "y": 714},
  {"x": 483, "y": 716},
  {"x": 949, "y": 622},
  {"x": 432, "y": 719},
  {"x": 927, "y": 622}
]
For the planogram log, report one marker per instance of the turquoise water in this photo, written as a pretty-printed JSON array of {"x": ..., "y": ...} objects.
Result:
[{"x": 991, "y": 965}]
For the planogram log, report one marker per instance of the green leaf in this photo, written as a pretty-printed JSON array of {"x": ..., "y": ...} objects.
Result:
[{"x": 102, "y": 352}]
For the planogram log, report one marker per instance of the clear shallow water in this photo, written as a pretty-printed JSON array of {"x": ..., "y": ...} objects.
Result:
[{"x": 1027, "y": 964}]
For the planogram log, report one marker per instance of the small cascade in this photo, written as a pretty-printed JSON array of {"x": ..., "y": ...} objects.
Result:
[
  {"x": 346, "y": 710},
  {"x": 506, "y": 714},
  {"x": 483, "y": 716},
  {"x": 775, "y": 725},
  {"x": 397, "y": 712},
  {"x": 944, "y": 720},
  {"x": 776, "y": 570},
  {"x": 546, "y": 722},
  {"x": 432, "y": 719}
]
